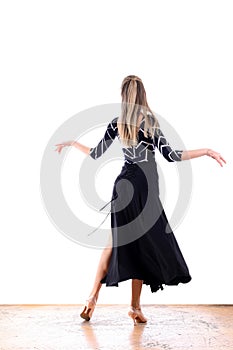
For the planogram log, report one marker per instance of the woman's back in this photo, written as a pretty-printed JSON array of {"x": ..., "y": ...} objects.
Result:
[{"x": 145, "y": 147}]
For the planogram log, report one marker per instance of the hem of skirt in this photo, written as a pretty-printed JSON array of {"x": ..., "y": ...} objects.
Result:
[
  {"x": 179, "y": 279},
  {"x": 154, "y": 287},
  {"x": 115, "y": 284}
]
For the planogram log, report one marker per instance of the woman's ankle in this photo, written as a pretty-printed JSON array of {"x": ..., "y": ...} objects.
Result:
[
  {"x": 93, "y": 296},
  {"x": 135, "y": 305}
]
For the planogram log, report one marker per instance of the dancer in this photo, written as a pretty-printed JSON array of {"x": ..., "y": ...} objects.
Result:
[{"x": 140, "y": 247}]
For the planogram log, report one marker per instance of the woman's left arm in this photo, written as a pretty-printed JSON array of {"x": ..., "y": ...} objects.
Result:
[{"x": 203, "y": 152}]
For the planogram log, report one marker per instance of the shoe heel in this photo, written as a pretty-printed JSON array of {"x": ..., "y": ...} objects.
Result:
[
  {"x": 88, "y": 310},
  {"x": 86, "y": 313}
]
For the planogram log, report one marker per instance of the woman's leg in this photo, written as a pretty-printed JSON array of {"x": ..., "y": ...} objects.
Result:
[
  {"x": 101, "y": 269},
  {"x": 135, "y": 311},
  {"x": 136, "y": 292}
]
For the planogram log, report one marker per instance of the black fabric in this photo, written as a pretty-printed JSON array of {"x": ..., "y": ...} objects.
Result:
[{"x": 151, "y": 252}]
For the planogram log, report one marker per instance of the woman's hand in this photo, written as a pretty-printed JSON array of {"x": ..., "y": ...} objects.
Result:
[
  {"x": 76, "y": 144},
  {"x": 64, "y": 144},
  {"x": 215, "y": 155}
]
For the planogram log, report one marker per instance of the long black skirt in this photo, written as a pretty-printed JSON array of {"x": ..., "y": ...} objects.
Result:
[{"x": 143, "y": 244}]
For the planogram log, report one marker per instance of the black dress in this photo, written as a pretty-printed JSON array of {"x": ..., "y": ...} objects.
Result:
[{"x": 144, "y": 246}]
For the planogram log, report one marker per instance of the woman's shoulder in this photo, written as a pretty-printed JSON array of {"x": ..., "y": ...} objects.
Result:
[
  {"x": 114, "y": 120},
  {"x": 112, "y": 127},
  {"x": 113, "y": 123}
]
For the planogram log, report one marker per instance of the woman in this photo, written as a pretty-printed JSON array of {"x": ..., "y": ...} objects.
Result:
[{"x": 140, "y": 247}]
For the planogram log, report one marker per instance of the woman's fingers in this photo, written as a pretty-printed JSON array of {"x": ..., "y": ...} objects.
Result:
[
  {"x": 217, "y": 156},
  {"x": 220, "y": 159},
  {"x": 223, "y": 159},
  {"x": 63, "y": 144},
  {"x": 59, "y": 147}
]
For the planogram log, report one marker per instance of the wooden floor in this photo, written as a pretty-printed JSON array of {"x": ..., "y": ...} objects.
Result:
[{"x": 169, "y": 327}]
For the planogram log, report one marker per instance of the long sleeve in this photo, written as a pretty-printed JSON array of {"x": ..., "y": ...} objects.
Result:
[
  {"x": 165, "y": 149},
  {"x": 106, "y": 141}
]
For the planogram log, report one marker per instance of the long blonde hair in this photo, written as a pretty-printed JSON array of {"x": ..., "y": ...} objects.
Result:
[{"x": 134, "y": 103}]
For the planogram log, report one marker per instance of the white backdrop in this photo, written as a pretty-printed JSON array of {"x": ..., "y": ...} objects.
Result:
[{"x": 59, "y": 58}]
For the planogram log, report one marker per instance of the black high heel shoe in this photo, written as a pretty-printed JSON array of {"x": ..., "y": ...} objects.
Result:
[{"x": 88, "y": 308}]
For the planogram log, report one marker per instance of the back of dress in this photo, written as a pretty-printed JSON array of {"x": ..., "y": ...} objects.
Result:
[
  {"x": 142, "y": 151},
  {"x": 143, "y": 243}
]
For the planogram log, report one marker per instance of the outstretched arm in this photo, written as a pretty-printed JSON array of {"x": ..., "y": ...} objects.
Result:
[
  {"x": 203, "y": 152},
  {"x": 178, "y": 155},
  {"x": 102, "y": 146}
]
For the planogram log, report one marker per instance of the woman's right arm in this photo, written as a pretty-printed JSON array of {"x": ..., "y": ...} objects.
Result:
[
  {"x": 203, "y": 152},
  {"x": 82, "y": 147},
  {"x": 76, "y": 144},
  {"x": 102, "y": 146}
]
